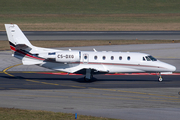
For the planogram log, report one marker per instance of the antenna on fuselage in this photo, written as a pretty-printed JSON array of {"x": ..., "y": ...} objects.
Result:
[{"x": 94, "y": 50}]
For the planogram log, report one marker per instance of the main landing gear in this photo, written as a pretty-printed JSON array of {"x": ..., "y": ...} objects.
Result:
[
  {"x": 160, "y": 78},
  {"x": 88, "y": 76}
]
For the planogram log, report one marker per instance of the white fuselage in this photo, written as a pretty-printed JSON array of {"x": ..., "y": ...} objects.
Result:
[{"x": 111, "y": 62}]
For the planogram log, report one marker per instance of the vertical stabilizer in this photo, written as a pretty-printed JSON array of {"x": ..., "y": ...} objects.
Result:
[
  {"x": 21, "y": 47},
  {"x": 16, "y": 36}
]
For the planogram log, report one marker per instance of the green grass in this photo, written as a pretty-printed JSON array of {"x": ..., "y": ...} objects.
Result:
[
  {"x": 115, "y": 18},
  {"x": 19, "y": 114},
  {"x": 89, "y": 13},
  {"x": 88, "y": 6}
]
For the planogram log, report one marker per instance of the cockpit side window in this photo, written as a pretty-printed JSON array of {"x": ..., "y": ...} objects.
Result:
[{"x": 144, "y": 59}]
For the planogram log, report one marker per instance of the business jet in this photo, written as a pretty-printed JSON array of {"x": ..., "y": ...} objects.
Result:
[{"x": 83, "y": 62}]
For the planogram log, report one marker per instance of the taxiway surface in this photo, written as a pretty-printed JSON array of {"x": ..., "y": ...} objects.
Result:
[
  {"x": 126, "y": 97},
  {"x": 99, "y": 35}
]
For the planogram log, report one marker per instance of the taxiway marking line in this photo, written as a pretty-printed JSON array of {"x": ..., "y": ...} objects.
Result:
[
  {"x": 35, "y": 81},
  {"x": 127, "y": 97},
  {"x": 18, "y": 89},
  {"x": 146, "y": 98},
  {"x": 133, "y": 92},
  {"x": 79, "y": 97},
  {"x": 34, "y": 96},
  {"x": 4, "y": 71}
]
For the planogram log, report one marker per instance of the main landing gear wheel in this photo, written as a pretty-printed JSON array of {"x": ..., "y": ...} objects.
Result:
[
  {"x": 88, "y": 76},
  {"x": 88, "y": 79}
]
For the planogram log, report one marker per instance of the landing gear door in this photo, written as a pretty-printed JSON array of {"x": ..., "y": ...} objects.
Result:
[{"x": 85, "y": 58}]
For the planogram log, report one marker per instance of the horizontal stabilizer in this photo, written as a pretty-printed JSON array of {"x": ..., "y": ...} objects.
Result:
[
  {"x": 32, "y": 62},
  {"x": 28, "y": 61},
  {"x": 22, "y": 46}
]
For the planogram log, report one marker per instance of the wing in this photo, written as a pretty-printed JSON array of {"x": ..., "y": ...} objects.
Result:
[{"x": 97, "y": 69}]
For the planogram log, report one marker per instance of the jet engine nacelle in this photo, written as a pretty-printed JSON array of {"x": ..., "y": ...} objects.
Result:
[{"x": 68, "y": 56}]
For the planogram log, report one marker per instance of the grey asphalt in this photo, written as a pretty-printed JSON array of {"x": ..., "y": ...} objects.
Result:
[
  {"x": 121, "y": 97},
  {"x": 99, "y": 35},
  {"x": 124, "y": 97}
]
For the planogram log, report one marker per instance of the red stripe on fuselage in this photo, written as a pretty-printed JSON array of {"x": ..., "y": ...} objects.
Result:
[
  {"x": 12, "y": 48},
  {"x": 108, "y": 74},
  {"x": 21, "y": 52},
  {"x": 93, "y": 63}
]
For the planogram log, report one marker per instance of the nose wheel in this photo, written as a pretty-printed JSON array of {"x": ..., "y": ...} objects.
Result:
[{"x": 160, "y": 78}]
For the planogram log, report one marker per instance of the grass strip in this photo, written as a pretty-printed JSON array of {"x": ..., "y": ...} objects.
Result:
[
  {"x": 88, "y": 6},
  {"x": 91, "y": 15},
  {"x": 4, "y": 45},
  {"x": 19, "y": 114},
  {"x": 94, "y": 22}
]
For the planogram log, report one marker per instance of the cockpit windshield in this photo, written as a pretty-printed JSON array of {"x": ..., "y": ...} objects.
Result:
[
  {"x": 150, "y": 58},
  {"x": 147, "y": 58}
]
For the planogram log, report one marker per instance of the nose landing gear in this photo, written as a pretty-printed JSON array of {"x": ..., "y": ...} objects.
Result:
[{"x": 160, "y": 78}]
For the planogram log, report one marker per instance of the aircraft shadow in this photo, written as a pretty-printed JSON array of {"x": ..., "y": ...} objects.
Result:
[{"x": 98, "y": 81}]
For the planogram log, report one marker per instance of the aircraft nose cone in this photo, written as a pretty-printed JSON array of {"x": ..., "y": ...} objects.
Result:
[
  {"x": 168, "y": 67},
  {"x": 172, "y": 68}
]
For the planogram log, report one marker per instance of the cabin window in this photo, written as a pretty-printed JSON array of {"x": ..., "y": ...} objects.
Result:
[
  {"x": 95, "y": 57},
  {"x": 104, "y": 57},
  {"x": 128, "y": 58},
  {"x": 120, "y": 57},
  {"x": 112, "y": 57},
  {"x": 85, "y": 57},
  {"x": 144, "y": 59}
]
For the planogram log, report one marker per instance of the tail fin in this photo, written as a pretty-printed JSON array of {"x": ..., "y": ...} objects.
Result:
[
  {"x": 21, "y": 46},
  {"x": 16, "y": 37}
]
